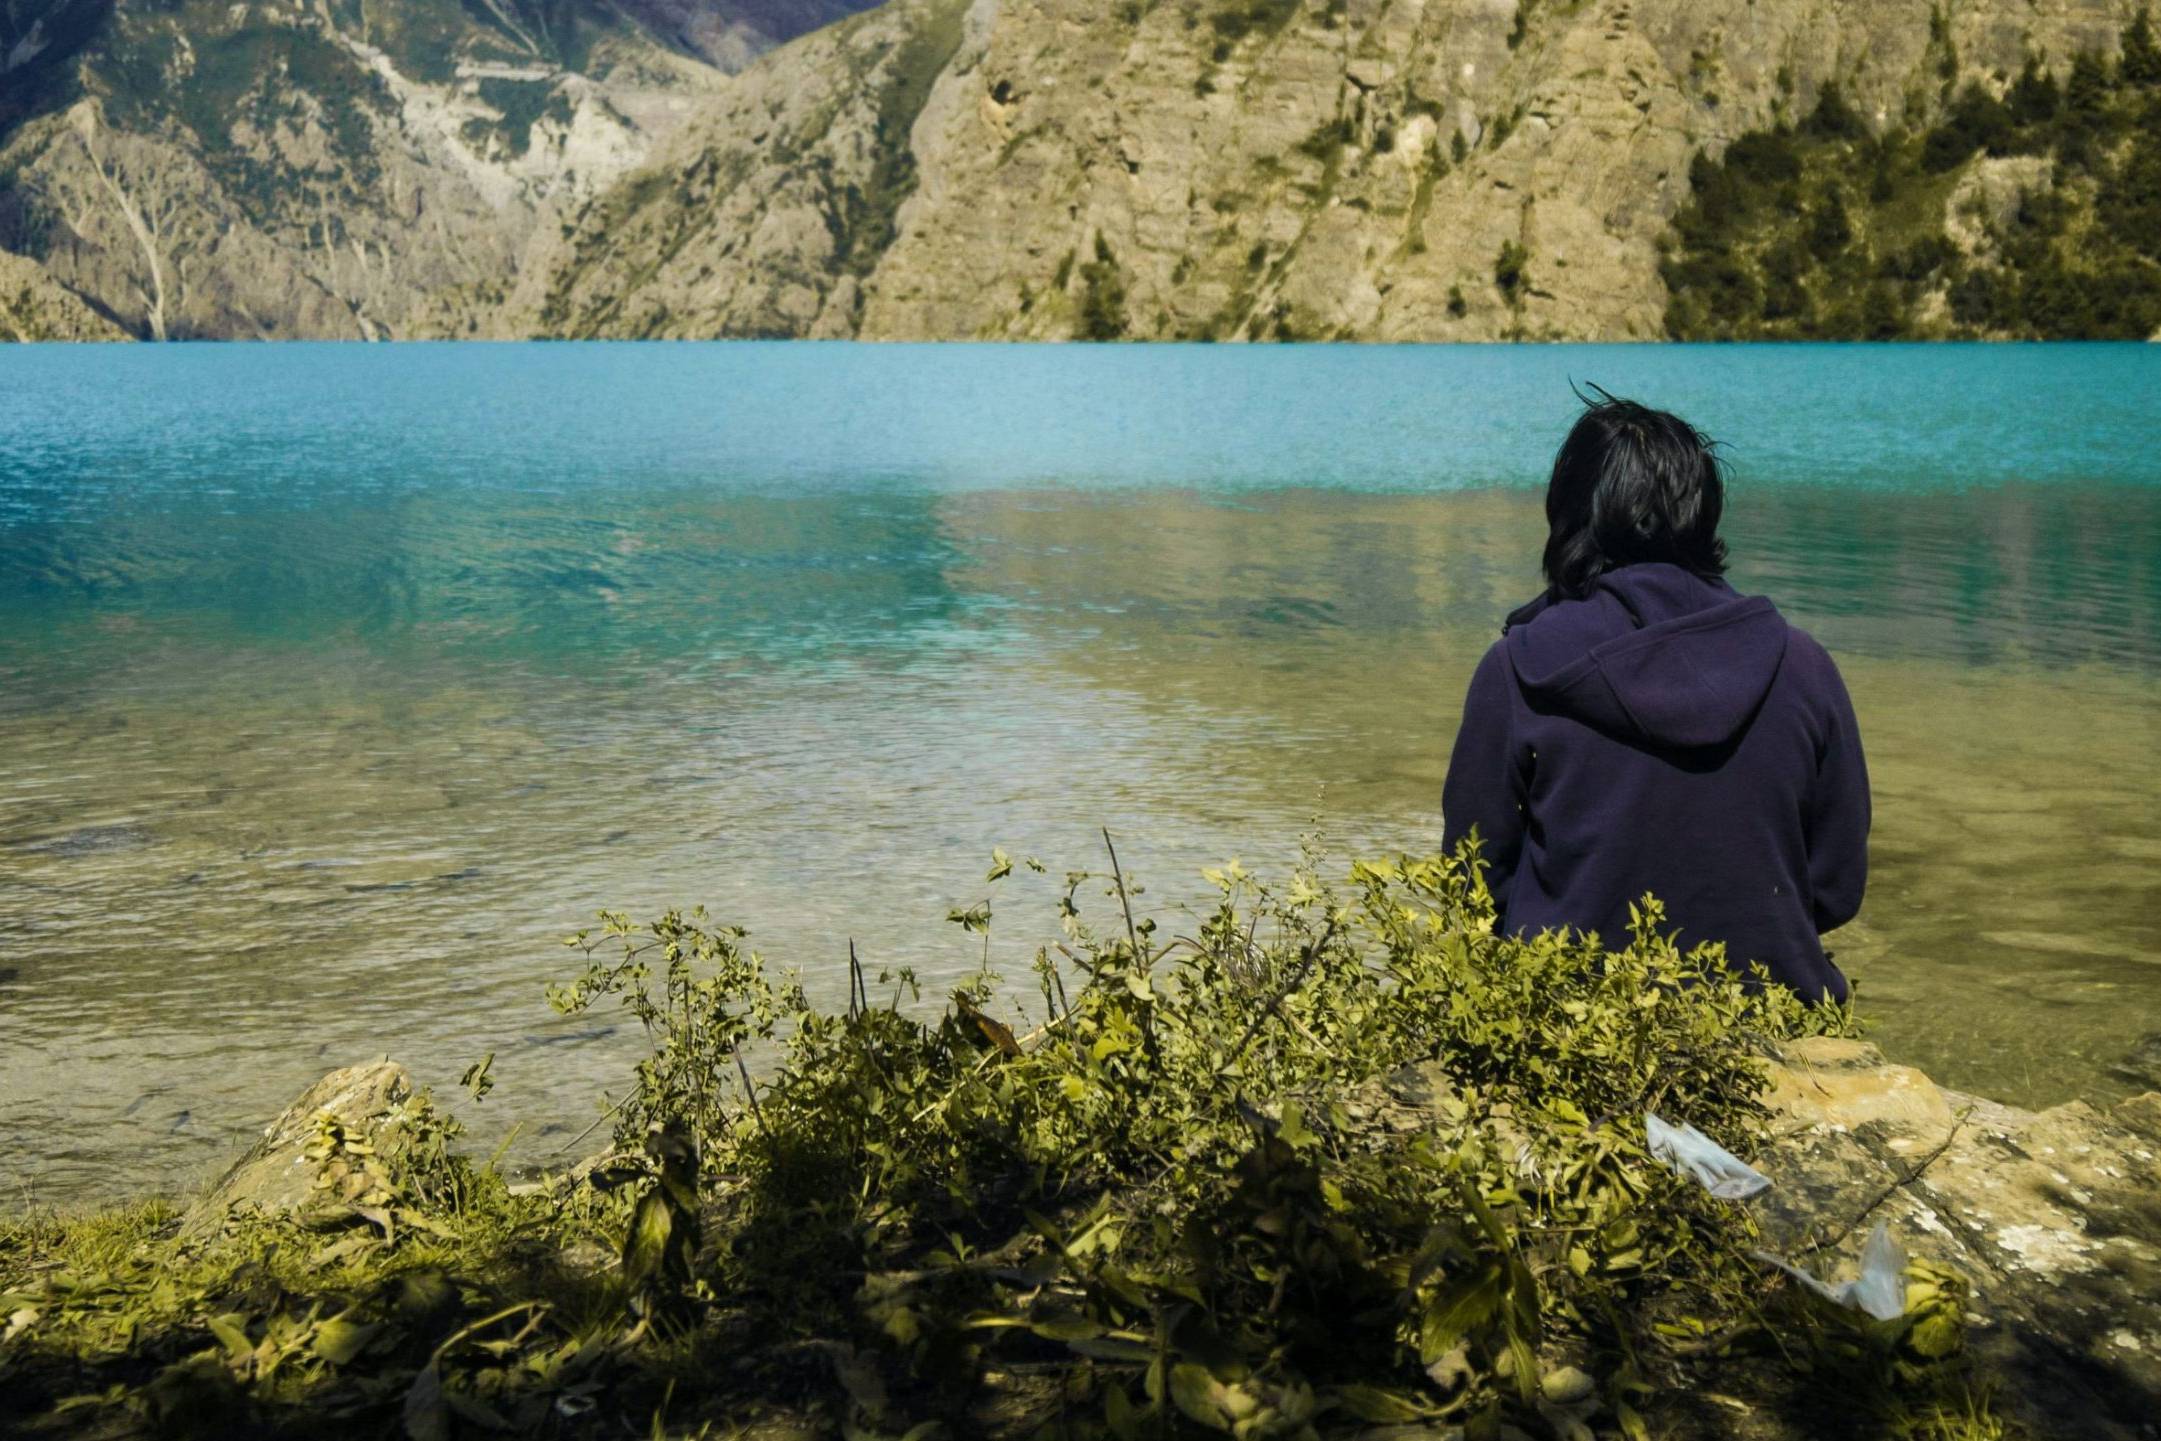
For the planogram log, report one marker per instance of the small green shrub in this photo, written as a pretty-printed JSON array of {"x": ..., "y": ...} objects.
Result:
[
  {"x": 1103, "y": 296},
  {"x": 1328, "y": 139},
  {"x": 2139, "y": 63},
  {"x": 1176, "y": 1179},
  {"x": 1239, "y": 20},
  {"x": 1521, "y": 25},
  {"x": 1830, "y": 229},
  {"x": 1510, "y": 270},
  {"x": 1833, "y": 118}
]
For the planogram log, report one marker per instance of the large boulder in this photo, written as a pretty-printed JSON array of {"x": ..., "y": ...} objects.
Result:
[
  {"x": 277, "y": 1174},
  {"x": 2054, "y": 1217}
]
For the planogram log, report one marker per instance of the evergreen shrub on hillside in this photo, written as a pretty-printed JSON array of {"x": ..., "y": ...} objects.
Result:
[{"x": 2076, "y": 258}]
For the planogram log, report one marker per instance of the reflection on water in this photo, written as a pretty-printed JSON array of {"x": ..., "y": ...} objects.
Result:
[{"x": 289, "y": 784}]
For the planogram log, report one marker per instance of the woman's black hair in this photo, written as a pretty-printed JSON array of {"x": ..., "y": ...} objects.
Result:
[{"x": 1631, "y": 484}]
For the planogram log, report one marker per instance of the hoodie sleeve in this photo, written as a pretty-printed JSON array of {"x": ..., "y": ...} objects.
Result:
[
  {"x": 1488, "y": 774},
  {"x": 1838, "y": 815}
]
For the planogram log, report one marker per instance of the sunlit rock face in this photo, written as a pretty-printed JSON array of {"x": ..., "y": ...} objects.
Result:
[
  {"x": 1241, "y": 169},
  {"x": 948, "y": 169}
]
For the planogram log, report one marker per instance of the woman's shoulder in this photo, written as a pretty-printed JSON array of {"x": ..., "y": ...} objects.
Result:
[
  {"x": 1529, "y": 611},
  {"x": 1809, "y": 666},
  {"x": 1807, "y": 649}
]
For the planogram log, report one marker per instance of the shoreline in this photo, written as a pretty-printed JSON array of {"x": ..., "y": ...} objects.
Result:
[
  {"x": 1366, "y": 1166},
  {"x": 2029, "y": 1207}
]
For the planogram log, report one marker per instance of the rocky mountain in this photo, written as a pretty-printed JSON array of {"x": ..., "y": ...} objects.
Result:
[
  {"x": 1373, "y": 169},
  {"x": 1101, "y": 169},
  {"x": 333, "y": 168}
]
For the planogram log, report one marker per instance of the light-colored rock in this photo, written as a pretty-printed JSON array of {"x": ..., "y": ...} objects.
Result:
[
  {"x": 276, "y": 1174},
  {"x": 2053, "y": 1217},
  {"x": 1847, "y": 1084},
  {"x": 1988, "y": 195}
]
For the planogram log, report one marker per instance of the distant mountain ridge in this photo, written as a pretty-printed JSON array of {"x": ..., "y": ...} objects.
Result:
[{"x": 343, "y": 168}]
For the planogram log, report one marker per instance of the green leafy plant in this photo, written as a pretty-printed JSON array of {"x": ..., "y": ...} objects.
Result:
[
  {"x": 1199, "y": 1179},
  {"x": 1328, "y": 1152}
]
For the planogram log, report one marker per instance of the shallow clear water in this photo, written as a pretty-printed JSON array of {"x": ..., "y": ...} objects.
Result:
[{"x": 336, "y": 684}]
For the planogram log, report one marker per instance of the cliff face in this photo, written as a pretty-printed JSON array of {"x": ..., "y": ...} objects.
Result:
[
  {"x": 333, "y": 168},
  {"x": 1240, "y": 169}
]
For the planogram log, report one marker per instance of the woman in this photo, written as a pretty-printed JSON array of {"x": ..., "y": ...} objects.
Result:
[{"x": 1641, "y": 727}]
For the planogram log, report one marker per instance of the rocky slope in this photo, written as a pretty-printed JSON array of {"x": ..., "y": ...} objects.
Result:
[
  {"x": 332, "y": 168},
  {"x": 34, "y": 306},
  {"x": 1241, "y": 169}
]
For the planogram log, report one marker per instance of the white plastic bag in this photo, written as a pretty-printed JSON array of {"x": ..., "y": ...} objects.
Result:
[
  {"x": 1688, "y": 1152},
  {"x": 1880, "y": 1289}
]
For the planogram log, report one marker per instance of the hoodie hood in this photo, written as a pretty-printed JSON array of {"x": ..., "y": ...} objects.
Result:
[{"x": 1654, "y": 654}]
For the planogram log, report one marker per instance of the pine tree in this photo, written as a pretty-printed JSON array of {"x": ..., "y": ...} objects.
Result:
[
  {"x": 2034, "y": 95},
  {"x": 2141, "y": 63}
]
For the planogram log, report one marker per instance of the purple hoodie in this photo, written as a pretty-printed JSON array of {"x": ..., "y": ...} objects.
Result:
[{"x": 1667, "y": 735}]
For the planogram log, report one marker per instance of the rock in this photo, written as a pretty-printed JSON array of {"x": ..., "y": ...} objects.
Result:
[
  {"x": 1568, "y": 1386},
  {"x": 2141, "y": 1065},
  {"x": 2053, "y": 1217},
  {"x": 275, "y": 1174},
  {"x": 1846, "y": 1084}
]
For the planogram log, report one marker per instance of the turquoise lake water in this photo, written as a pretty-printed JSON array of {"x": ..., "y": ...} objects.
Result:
[{"x": 338, "y": 683}]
